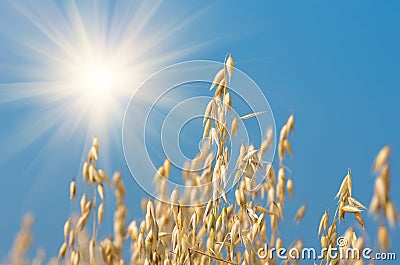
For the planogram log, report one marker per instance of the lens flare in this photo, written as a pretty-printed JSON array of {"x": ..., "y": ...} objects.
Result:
[{"x": 79, "y": 63}]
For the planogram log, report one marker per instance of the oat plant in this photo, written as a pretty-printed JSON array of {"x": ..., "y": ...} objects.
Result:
[{"x": 228, "y": 229}]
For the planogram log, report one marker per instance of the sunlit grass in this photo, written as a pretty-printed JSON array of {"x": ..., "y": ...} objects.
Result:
[{"x": 225, "y": 230}]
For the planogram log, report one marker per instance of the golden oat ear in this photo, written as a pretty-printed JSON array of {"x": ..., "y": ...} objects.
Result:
[
  {"x": 382, "y": 158},
  {"x": 384, "y": 238},
  {"x": 381, "y": 203},
  {"x": 323, "y": 224},
  {"x": 72, "y": 190},
  {"x": 300, "y": 213},
  {"x": 100, "y": 213},
  {"x": 229, "y": 65},
  {"x": 218, "y": 78}
]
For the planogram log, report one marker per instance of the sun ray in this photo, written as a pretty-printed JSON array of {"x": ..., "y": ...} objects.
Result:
[{"x": 83, "y": 62}]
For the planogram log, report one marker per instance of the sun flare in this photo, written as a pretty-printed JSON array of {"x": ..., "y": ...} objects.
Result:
[
  {"x": 82, "y": 68},
  {"x": 97, "y": 82},
  {"x": 100, "y": 79}
]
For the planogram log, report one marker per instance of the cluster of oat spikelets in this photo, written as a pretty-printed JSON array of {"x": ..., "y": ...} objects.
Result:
[{"x": 221, "y": 231}]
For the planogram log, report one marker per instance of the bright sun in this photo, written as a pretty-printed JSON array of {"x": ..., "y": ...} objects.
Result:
[
  {"x": 100, "y": 78},
  {"x": 85, "y": 61},
  {"x": 96, "y": 83}
]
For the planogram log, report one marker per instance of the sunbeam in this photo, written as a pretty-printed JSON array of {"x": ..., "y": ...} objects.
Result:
[
  {"x": 70, "y": 71},
  {"x": 81, "y": 62}
]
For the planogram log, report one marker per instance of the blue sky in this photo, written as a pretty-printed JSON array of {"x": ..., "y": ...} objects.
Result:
[{"x": 334, "y": 65}]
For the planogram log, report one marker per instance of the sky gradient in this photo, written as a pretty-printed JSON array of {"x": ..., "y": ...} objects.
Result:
[{"x": 334, "y": 65}]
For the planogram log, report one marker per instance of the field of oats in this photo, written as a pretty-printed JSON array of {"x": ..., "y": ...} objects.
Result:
[{"x": 243, "y": 228}]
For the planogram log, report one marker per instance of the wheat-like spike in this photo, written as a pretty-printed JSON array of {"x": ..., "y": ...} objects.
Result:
[
  {"x": 72, "y": 190},
  {"x": 251, "y": 115},
  {"x": 300, "y": 213}
]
